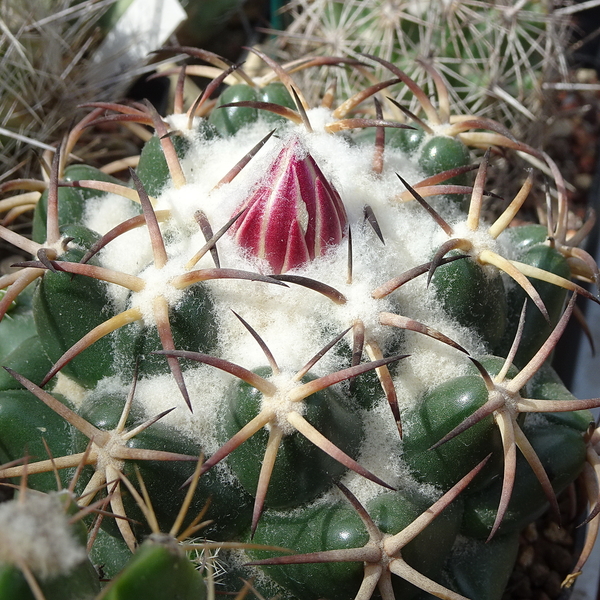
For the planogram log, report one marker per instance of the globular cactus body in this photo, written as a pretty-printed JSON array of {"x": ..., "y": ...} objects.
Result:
[{"x": 340, "y": 351}]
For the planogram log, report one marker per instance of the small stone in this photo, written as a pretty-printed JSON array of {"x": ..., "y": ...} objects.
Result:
[
  {"x": 586, "y": 76},
  {"x": 557, "y": 535},
  {"x": 559, "y": 559},
  {"x": 526, "y": 557},
  {"x": 583, "y": 181},
  {"x": 538, "y": 573},
  {"x": 552, "y": 585},
  {"x": 5, "y": 264},
  {"x": 530, "y": 533},
  {"x": 520, "y": 586},
  {"x": 562, "y": 128}
]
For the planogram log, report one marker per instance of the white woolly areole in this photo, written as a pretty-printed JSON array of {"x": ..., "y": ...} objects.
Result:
[
  {"x": 480, "y": 238},
  {"x": 69, "y": 388},
  {"x": 35, "y": 532},
  {"x": 158, "y": 284},
  {"x": 280, "y": 402}
]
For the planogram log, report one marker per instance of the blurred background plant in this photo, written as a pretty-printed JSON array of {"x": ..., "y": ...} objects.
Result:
[
  {"x": 510, "y": 60},
  {"x": 494, "y": 56},
  {"x": 58, "y": 54}
]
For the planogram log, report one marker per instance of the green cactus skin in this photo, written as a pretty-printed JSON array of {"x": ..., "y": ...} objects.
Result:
[
  {"x": 28, "y": 359},
  {"x": 277, "y": 365},
  {"x": 537, "y": 328},
  {"x": 496, "y": 557},
  {"x": 228, "y": 121},
  {"x": 18, "y": 324},
  {"x": 303, "y": 471},
  {"x": 109, "y": 554},
  {"x": 527, "y": 501},
  {"x": 547, "y": 384},
  {"x": 442, "y": 409},
  {"x": 193, "y": 326},
  {"x": 64, "y": 308},
  {"x": 337, "y": 527},
  {"x": 230, "y": 505},
  {"x": 441, "y": 153},
  {"x": 83, "y": 582},
  {"x": 158, "y": 569},
  {"x": 407, "y": 140},
  {"x": 152, "y": 168},
  {"x": 476, "y": 299},
  {"x": 24, "y": 424}
]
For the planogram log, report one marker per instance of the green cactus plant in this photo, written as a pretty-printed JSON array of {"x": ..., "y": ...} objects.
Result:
[{"x": 357, "y": 354}]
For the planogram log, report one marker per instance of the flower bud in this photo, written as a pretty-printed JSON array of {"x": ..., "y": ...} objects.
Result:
[{"x": 294, "y": 215}]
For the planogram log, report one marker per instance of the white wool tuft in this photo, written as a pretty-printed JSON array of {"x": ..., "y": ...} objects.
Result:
[{"x": 35, "y": 531}]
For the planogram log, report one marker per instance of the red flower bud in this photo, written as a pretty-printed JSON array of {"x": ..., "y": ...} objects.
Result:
[{"x": 294, "y": 215}]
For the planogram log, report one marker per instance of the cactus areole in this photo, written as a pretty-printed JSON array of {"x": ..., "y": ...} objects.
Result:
[{"x": 282, "y": 334}]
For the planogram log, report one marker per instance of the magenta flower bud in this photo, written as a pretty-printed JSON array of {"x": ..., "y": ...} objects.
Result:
[{"x": 294, "y": 215}]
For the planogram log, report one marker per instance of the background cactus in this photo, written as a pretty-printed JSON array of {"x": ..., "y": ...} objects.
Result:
[
  {"x": 495, "y": 56},
  {"x": 325, "y": 317}
]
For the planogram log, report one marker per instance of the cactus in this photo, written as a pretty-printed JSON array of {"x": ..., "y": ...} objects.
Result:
[
  {"x": 32, "y": 528},
  {"x": 312, "y": 301},
  {"x": 495, "y": 56}
]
